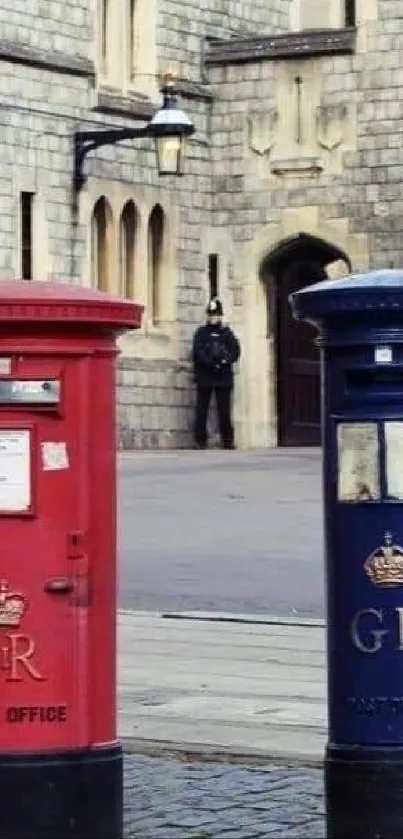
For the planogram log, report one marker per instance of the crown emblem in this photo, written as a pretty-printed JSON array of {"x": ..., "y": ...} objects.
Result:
[
  {"x": 385, "y": 565},
  {"x": 12, "y": 606}
]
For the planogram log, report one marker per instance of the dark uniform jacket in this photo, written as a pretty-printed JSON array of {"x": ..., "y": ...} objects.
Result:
[{"x": 215, "y": 350}]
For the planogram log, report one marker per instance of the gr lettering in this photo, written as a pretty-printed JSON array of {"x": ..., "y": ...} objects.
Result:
[
  {"x": 370, "y": 629},
  {"x": 16, "y": 658}
]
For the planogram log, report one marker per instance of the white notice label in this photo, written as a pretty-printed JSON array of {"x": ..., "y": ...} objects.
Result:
[
  {"x": 358, "y": 446},
  {"x": 383, "y": 355},
  {"x": 54, "y": 456},
  {"x": 394, "y": 459},
  {"x": 5, "y": 366},
  {"x": 15, "y": 471}
]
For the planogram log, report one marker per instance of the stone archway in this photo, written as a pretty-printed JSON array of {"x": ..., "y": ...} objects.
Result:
[
  {"x": 255, "y": 413},
  {"x": 294, "y": 263}
]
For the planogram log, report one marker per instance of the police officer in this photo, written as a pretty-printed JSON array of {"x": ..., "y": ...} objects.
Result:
[{"x": 215, "y": 350}]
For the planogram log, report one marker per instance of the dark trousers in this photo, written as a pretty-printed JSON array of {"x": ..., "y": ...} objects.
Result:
[{"x": 223, "y": 402}]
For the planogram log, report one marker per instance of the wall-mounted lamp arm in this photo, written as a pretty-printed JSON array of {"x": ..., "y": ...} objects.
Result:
[
  {"x": 86, "y": 141},
  {"x": 169, "y": 127}
]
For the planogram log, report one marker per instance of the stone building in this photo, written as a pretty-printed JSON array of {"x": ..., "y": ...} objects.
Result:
[{"x": 294, "y": 173}]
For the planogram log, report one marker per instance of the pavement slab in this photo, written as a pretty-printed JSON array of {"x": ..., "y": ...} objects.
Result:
[
  {"x": 204, "y": 687},
  {"x": 222, "y": 686}
]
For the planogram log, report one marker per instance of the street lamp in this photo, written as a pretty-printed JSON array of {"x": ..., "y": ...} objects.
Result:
[{"x": 169, "y": 127}]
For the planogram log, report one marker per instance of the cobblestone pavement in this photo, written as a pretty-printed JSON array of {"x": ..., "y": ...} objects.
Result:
[{"x": 174, "y": 799}]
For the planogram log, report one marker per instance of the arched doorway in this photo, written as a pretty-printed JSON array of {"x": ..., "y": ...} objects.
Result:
[{"x": 296, "y": 263}]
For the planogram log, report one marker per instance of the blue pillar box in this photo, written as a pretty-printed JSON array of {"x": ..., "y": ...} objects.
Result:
[{"x": 360, "y": 333}]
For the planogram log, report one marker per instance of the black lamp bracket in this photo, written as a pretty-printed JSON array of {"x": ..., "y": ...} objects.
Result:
[{"x": 86, "y": 141}]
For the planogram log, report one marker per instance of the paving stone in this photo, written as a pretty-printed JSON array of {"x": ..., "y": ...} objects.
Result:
[{"x": 163, "y": 800}]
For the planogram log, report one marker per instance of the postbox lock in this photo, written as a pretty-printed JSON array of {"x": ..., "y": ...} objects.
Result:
[
  {"x": 58, "y": 585},
  {"x": 75, "y": 544}
]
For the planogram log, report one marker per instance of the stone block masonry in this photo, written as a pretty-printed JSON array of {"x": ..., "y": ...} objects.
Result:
[
  {"x": 49, "y": 89},
  {"x": 264, "y": 166},
  {"x": 360, "y": 181},
  {"x": 155, "y": 404}
]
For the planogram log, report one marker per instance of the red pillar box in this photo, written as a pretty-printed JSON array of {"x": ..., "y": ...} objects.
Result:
[{"x": 60, "y": 762}]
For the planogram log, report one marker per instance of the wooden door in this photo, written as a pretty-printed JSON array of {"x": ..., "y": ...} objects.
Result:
[{"x": 298, "y": 368}]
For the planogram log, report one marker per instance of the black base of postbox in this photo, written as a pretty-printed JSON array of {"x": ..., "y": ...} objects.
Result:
[
  {"x": 62, "y": 795},
  {"x": 364, "y": 793}
]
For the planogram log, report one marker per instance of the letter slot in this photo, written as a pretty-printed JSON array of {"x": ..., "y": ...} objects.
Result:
[{"x": 374, "y": 382}]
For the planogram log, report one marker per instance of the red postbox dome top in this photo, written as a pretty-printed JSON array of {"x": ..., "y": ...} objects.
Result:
[{"x": 53, "y": 302}]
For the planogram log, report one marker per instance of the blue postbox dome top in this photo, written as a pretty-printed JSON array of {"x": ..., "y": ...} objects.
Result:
[{"x": 357, "y": 293}]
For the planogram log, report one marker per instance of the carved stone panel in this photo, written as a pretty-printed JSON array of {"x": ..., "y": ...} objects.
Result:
[
  {"x": 262, "y": 128},
  {"x": 301, "y": 134},
  {"x": 330, "y": 125}
]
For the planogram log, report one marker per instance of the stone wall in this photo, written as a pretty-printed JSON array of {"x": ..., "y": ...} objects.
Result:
[
  {"x": 183, "y": 28},
  {"x": 351, "y": 122},
  {"x": 332, "y": 169},
  {"x": 162, "y": 410},
  {"x": 155, "y": 404},
  {"x": 63, "y": 26},
  {"x": 49, "y": 89},
  {"x": 251, "y": 181}
]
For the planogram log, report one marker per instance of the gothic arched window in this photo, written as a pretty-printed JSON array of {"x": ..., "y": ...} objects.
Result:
[
  {"x": 101, "y": 230},
  {"x": 350, "y": 13},
  {"x": 132, "y": 39},
  {"x": 127, "y": 249},
  {"x": 156, "y": 224},
  {"x": 104, "y": 36}
]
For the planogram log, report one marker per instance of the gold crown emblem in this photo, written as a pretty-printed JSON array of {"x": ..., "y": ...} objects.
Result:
[
  {"x": 12, "y": 606},
  {"x": 385, "y": 565}
]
